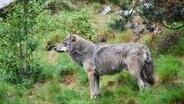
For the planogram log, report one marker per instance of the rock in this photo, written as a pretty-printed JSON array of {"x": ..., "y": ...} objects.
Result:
[
  {"x": 106, "y": 10},
  {"x": 128, "y": 12},
  {"x": 147, "y": 5},
  {"x": 69, "y": 4},
  {"x": 125, "y": 12},
  {"x": 4, "y": 3}
]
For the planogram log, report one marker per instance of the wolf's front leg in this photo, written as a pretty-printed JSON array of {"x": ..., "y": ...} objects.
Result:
[
  {"x": 97, "y": 82},
  {"x": 94, "y": 85},
  {"x": 93, "y": 79}
]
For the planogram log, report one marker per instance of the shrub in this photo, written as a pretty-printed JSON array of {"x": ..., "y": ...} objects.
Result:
[
  {"x": 66, "y": 21},
  {"x": 19, "y": 42},
  {"x": 177, "y": 48},
  {"x": 78, "y": 22},
  {"x": 170, "y": 42}
]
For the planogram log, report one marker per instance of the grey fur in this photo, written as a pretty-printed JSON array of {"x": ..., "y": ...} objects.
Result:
[{"x": 100, "y": 60}]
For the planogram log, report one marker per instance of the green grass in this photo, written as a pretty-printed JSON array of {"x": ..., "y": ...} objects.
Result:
[
  {"x": 169, "y": 68},
  {"x": 11, "y": 94},
  {"x": 120, "y": 88},
  {"x": 125, "y": 36}
]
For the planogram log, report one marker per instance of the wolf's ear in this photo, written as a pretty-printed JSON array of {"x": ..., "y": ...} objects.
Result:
[
  {"x": 68, "y": 35},
  {"x": 73, "y": 38}
]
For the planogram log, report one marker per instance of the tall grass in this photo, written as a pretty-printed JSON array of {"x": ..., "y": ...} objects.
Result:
[
  {"x": 11, "y": 94},
  {"x": 168, "y": 68}
]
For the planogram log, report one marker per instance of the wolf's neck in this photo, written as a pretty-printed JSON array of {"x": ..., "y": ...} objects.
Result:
[{"x": 82, "y": 50}]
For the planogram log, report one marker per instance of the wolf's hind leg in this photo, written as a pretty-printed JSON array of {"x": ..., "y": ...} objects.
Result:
[
  {"x": 133, "y": 68},
  {"x": 140, "y": 81},
  {"x": 144, "y": 79}
]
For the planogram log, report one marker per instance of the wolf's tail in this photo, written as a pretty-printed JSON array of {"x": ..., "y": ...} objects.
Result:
[{"x": 148, "y": 69}]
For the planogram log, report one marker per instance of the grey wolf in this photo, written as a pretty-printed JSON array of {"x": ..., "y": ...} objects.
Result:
[{"x": 98, "y": 60}]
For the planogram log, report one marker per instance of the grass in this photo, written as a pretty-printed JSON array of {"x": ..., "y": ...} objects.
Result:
[
  {"x": 168, "y": 68},
  {"x": 119, "y": 88},
  {"x": 126, "y": 36}
]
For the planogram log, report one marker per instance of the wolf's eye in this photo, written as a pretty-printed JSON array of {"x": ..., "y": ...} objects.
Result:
[{"x": 64, "y": 44}]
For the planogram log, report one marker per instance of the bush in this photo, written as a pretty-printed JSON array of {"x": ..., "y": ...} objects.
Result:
[
  {"x": 19, "y": 42},
  {"x": 171, "y": 42},
  {"x": 177, "y": 48},
  {"x": 66, "y": 21},
  {"x": 78, "y": 22}
]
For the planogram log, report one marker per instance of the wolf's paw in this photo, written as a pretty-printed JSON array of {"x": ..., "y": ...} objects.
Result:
[
  {"x": 94, "y": 96},
  {"x": 144, "y": 88}
]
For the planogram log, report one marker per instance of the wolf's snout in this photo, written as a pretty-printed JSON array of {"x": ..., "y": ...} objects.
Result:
[
  {"x": 49, "y": 47},
  {"x": 54, "y": 48},
  {"x": 59, "y": 49}
]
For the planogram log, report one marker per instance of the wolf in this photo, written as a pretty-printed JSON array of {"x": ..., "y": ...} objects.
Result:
[{"x": 98, "y": 60}]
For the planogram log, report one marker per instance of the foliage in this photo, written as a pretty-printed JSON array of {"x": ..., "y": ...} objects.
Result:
[
  {"x": 78, "y": 22},
  {"x": 66, "y": 21},
  {"x": 19, "y": 58},
  {"x": 118, "y": 24},
  {"x": 177, "y": 47},
  {"x": 170, "y": 42},
  {"x": 57, "y": 5},
  {"x": 166, "y": 13},
  {"x": 18, "y": 42},
  {"x": 121, "y": 22},
  {"x": 169, "y": 11},
  {"x": 122, "y": 3}
]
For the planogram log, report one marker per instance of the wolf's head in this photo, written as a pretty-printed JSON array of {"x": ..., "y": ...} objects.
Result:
[{"x": 67, "y": 44}]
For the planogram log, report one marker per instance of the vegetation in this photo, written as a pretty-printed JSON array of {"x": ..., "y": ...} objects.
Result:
[
  {"x": 30, "y": 74},
  {"x": 166, "y": 13},
  {"x": 18, "y": 43}
]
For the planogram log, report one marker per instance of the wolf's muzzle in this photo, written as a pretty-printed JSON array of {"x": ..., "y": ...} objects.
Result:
[{"x": 55, "y": 49}]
